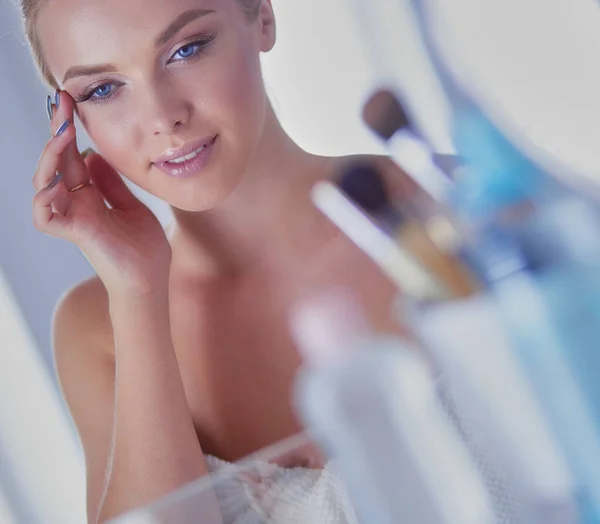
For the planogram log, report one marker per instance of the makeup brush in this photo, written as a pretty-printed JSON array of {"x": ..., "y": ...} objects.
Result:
[
  {"x": 364, "y": 185},
  {"x": 394, "y": 260},
  {"x": 384, "y": 114}
]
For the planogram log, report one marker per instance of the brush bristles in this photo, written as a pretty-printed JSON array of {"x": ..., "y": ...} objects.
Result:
[
  {"x": 384, "y": 114},
  {"x": 365, "y": 187}
]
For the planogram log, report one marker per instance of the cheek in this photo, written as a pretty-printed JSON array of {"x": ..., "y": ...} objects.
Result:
[
  {"x": 113, "y": 141},
  {"x": 234, "y": 99}
]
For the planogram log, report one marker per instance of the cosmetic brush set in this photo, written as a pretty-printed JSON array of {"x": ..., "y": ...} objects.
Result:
[{"x": 489, "y": 409}]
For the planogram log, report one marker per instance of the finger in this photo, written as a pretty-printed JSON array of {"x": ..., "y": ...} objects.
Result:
[
  {"x": 71, "y": 164},
  {"x": 45, "y": 218},
  {"x": 110, "y": 184},
  {"x": 50, "y": 159}
]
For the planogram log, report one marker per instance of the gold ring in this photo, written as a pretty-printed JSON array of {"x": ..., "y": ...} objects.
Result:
[{"x": 80, "y": 186}]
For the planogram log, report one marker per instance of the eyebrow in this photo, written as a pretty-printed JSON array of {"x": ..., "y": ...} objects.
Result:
[
  {"x": 179, "y": 23},
  {"x": 172, "y": 29}
]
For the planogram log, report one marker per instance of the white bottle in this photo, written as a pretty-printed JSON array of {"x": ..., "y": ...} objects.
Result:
[
  {"x": 493, "y": 398},
  {"x": 372, "y": 404}
]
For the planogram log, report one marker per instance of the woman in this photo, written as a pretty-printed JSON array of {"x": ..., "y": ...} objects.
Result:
[{"x": 178, "y": 350}]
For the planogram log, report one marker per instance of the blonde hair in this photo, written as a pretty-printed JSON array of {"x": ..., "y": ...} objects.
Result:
[{"x": 29, "y": 12}]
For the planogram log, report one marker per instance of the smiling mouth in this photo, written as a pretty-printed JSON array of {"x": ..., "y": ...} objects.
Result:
[
  {"x": 185, "y": 158},
  {"x": 189, "y": 164}
]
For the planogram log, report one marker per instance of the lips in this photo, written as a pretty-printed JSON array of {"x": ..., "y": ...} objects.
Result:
[{"x": 187, "y": 160}]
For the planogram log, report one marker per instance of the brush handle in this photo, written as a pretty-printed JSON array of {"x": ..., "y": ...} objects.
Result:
[
  {"x": 396, "y": 262},
  {"x": 445, "y": 267}
]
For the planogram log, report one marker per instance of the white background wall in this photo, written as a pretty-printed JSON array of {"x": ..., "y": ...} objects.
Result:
[{"x": 318, "y": 77}]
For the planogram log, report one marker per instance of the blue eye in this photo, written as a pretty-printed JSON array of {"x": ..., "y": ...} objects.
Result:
[
  {"x": 192, "y": 50},
  {"x": 103, "y": 91},
  {"x": 187, "y": 51},
  {"x": 99, "y": 94}
]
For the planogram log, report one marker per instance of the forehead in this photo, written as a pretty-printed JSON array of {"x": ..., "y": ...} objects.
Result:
[{"x": 81, "y": 32}]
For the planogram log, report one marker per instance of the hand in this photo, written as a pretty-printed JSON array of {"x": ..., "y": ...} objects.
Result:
[{"x": 125, "y": 242}]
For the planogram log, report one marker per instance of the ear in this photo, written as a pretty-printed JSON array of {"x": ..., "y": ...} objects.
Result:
[{"x": 268, "y": 29}]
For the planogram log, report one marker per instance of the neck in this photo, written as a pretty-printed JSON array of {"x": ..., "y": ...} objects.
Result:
[{"x": 250, "y": 225}]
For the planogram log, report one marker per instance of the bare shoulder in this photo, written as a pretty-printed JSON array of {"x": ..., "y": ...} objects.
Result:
[
  {"x": 84, "y": 357},
  {"x": 82, "y": 338},
  {"x": 82, "y": 313}
]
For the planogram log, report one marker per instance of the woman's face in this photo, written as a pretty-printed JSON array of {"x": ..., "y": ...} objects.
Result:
[{"x": 155, "y": 80}]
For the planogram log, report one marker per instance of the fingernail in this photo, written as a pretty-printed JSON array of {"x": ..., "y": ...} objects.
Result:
[
  {"x": 57, "y": 98},
  {"x": 87, "y": 153},
  {"x": 55, "y": 181},
  {"x": 49, "y": 107},
  {"x": 63, "y": 127}
]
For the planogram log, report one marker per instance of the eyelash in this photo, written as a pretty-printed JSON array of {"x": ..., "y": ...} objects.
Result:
[{"x": 88, "y": 94}]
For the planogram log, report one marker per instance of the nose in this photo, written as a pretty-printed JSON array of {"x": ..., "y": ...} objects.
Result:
[{"x": 165, "y": 111}]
